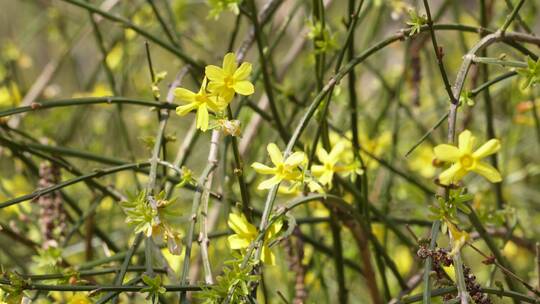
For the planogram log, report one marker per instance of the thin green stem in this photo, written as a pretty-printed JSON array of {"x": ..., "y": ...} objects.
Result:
[
  {"x": 190, "y": 235},
  {"x": 512, "y": 16}
]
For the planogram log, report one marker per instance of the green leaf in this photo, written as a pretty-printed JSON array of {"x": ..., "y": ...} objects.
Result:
[
  {"x": 531, "y": 73},
  {"x": 416, "y": 22}
]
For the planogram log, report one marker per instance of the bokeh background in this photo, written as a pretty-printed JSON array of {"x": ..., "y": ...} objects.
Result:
[{"x": 49, "y": 51}]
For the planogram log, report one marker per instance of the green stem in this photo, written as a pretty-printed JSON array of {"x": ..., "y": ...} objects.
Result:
[
  {"x": 86, "y": 101},
  {"x": 110, "y": 288},
  {"x": 501, "y": 62},
  {"x": 191, "y": 230},
  {"x": 512, "y": 16}
]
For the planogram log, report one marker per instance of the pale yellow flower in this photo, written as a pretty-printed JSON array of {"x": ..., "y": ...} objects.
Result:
[
  {"x": 284, "y": 169},
  {"x": 245, "y": 233},
  {"x": 325, "y": 171},
  {"x": 459, "y": 238},
  {"x": 329, "y": 164},
  {"x": 230, "y": 78},
  {"x": 464, "y": 160},
  {"x": 200, "y": 101},
  {"x": 422, "y": 162}
]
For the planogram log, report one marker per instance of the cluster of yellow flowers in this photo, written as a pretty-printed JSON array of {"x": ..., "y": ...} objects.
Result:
[
  {"x": 465, "y": 160},
  {"x": 217, "y": 90},
  {"x": 292, "y": 168}
]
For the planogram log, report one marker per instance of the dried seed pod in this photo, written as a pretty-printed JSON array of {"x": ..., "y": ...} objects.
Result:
[{"x": 52, "y": 216}]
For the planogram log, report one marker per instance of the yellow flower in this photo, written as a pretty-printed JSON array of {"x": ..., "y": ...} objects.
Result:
[
  {"x": 285, "y": 169},
  {"x": 325, "y": 172},
  {"x": 329, "y": 164},
  {"x": 459, "y": 238},
  {"x": 225, "y": 81},
  {"x": 200, "y": 101},
  {"x": 245, "y": 233},
  {"x": 422, "y": 162},
  {"x": 465, "y": 160}
]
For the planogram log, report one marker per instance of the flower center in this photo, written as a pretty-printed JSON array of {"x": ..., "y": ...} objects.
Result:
[
  {"x": 201, "y": 98},
  {"x": 229, "y": 82},
  {"x": 467, "y": 161},
  {"x": 328, "y": 167}
]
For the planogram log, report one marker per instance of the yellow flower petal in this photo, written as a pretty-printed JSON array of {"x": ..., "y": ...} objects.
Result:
[
  {"x": 183, "y": 110},
  {"x": 317, "y": 170},
  {"x": 202, "y": 90},
  {"x": 446, "y": 152},
  {"x": 243, "y": 71},
  {"x": 452, "y": 174},
  {"x": 262, "y": 169},
  {"x": 227, "y": 95},
  {"x": 274, "y": 230},
  {"x": 488, "y": 172},
  {"x": 490, "y": 147},
  {"x": 229, "y": 63},
  {"x": 244, "y": 87},
  {"x": 334, "y": 156},
  {"x": 295, "y": 159},
  {"x": 215, "y": 103},
  {"x": 466, "y": 142},
  {"x": 322, "y": 155},
  {"x": 267, "y": 256},
  {"x": 240, "y": 225},
  {"x": 326, "y": 177},
  {"x": 184, "y": 95},
  {"x": 315, "y": 187},
  {"x": 269, "y": 183},
  {"x": 459, "y": 238},
  {"x": 237, "y": 242},
  {"x": 216, "y": 86},
  {"x": 275, "y": 154},
  {"x": 214, "y": 73},
  {"x": 202, "y": 118}
]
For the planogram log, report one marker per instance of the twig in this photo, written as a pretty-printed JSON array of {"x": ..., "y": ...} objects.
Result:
[
  {"x": 505, "y": 270},
  {"x": 203, "y": 234},
  {"x": 191, "y": 230}
]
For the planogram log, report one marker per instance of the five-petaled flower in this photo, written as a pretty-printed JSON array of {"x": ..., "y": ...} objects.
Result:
[
  {"x": 325, "y": 171},
  {"x": 229, "y": 79},
  {"x": 201, "y": 101},
  {"x": 464, "y": 160},
  {"x": 285, "y": 169},
  {"x": 245, "y": 233}
]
